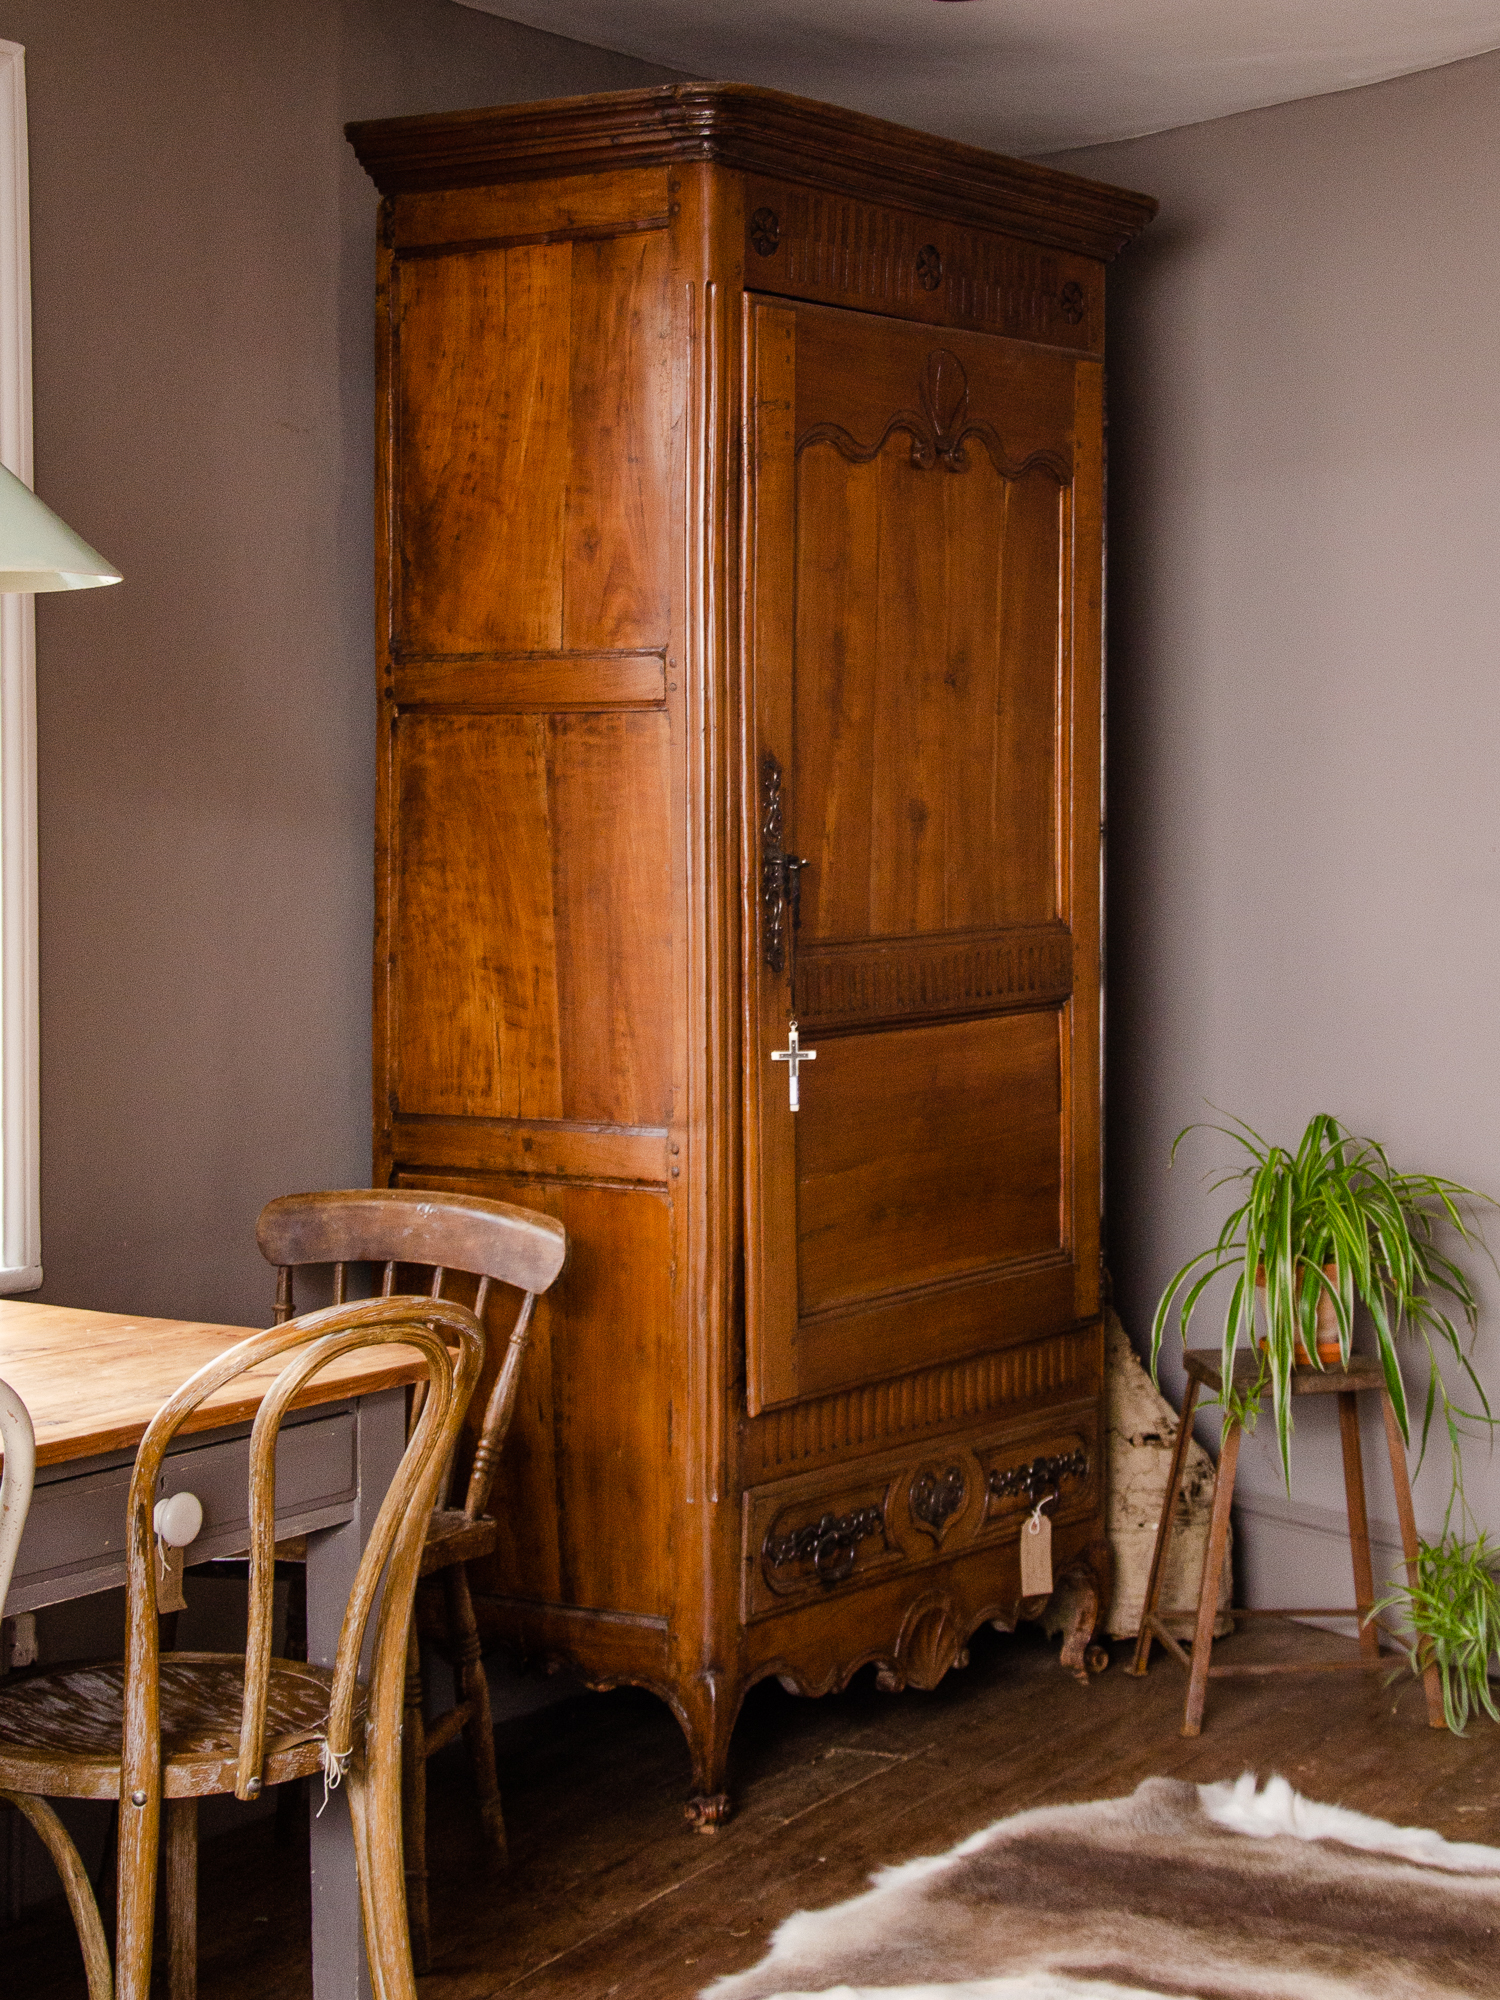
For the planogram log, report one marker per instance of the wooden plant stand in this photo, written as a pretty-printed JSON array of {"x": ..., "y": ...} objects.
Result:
[{"x": 1348, "y": 1384}]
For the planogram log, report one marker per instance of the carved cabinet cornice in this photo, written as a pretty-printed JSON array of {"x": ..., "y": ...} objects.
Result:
[{"x": 739, "y": 593}]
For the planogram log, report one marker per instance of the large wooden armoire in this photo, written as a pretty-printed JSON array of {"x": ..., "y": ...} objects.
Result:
[{"x": 739, "y": 604}]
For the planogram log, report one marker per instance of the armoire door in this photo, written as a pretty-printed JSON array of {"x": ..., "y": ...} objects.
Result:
[{"x": 921, "y": 807}]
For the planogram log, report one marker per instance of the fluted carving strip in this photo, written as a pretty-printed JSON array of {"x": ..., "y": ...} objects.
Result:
[{"x": 886, "y": 1412}]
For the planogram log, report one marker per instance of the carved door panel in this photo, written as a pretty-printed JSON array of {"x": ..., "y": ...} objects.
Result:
[{"x": 921, "y": 759}]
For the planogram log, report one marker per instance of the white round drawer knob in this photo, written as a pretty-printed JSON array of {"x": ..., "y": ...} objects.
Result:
[{"x": 178, "y": 1520}]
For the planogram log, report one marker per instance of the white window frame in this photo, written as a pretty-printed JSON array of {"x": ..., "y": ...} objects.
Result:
[{"x": 20, "y": 1118}]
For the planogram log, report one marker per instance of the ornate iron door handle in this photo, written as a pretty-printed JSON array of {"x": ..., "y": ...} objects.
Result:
[{"x": 780, "y": 872}]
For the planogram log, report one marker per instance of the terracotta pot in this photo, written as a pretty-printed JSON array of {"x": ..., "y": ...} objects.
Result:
[{"x": 1326, "y": 1334}]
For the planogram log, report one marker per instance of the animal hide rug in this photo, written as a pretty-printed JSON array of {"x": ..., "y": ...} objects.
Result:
[{"x": 1196, "y": 1892}]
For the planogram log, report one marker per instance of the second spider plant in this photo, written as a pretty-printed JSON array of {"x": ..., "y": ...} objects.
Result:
[{"x": 1332, "y": 1219}]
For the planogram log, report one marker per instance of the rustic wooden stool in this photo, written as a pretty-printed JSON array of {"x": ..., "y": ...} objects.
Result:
[{"x": 1204, "y": 1371}]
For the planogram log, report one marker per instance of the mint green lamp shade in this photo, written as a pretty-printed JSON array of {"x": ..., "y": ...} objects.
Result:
[{"x": 39, "y": 552}]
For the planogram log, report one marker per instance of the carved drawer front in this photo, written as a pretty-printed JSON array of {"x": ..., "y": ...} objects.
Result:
[
  {"x": 1056, "y": 1463},
  {"x": 827, "y": 1533},
  {"x": 804, "y": 1540}
]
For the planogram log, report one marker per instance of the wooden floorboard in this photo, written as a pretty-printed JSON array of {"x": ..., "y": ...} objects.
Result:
[{"x": 610, "y": 1897}]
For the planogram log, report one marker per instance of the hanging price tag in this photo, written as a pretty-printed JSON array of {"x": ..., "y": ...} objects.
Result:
[{"x": 1036, "y": 1556}]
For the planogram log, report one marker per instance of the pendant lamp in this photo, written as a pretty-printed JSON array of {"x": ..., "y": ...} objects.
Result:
[{"x": 38, "y": 551}]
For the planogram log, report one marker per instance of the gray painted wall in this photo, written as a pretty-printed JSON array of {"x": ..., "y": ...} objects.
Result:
[
  {"x": 1304, "y": 880},
  {"x": 203, "y": 275}
]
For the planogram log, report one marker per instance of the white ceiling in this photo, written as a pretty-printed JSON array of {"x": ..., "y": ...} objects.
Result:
[{"x": 1032, "y": 76}]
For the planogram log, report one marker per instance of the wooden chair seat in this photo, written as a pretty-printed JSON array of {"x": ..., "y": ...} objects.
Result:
[
  {"x": 61, "y": 1730},
  {"x": 453, "y": 1538}
]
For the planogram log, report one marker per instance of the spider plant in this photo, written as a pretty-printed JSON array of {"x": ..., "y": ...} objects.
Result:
[
  {"x": 1334, "y": 1205},
  {"x": 1454, "y": 1609}
]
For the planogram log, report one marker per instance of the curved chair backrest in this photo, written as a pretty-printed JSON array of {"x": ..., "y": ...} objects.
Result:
[
  {"x": 450, "y": 1340},
  {"x": 18, "y": 1441},
  {"x": 493, "y": 1241}
]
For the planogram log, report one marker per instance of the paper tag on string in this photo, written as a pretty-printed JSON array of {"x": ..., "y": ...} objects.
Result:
[{"x": 1036, "y": 1556}]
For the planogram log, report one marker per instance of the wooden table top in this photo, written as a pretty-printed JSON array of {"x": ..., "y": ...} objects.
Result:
[{"x": 94, "y": 1380}]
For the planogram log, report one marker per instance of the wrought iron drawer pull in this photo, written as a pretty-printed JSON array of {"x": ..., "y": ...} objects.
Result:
[
  {"x": 830, "y": 1543},
  {"x": 1040, "y": 1478}
]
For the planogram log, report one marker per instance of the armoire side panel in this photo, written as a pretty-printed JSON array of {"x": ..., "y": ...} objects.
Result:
[
  {"x": 531, "y": 920},
  {"x": 531, "y": 454}
]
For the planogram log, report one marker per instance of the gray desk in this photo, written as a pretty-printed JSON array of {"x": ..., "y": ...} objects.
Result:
[{"x": 91, "y": 1378}]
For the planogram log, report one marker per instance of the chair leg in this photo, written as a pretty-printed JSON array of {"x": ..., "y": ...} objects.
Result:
[
  {"x": 1431, "y": 1680},
  {"x": 375, "y": 1809},
  {"x": 1208, "y": 1590},
  {"x": 180, "y": 1873},
  {"x": 65, "y": 1858},
  {"x": 474, "y": 1693},
  {"x": 414, "y": 1804},
  {"x": 1359, "y": 1524},
  {"x": 1158, "y": 1576},
  {"x": 291, "y": 1799}
]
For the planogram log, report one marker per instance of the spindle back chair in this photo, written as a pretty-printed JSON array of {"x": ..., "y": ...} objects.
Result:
[
  {"x": 493, "y": 1242},
  {"x": 185, "y": 1725}
]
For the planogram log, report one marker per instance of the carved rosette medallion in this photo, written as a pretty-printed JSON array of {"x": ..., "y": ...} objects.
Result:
[
  {"x": 1070, "y": 302},
  {"x": 929, "y": 267},
  {"x": 765, "y": 231}
]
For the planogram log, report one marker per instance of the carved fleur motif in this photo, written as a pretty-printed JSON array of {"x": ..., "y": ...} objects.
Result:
[{"x": 940, "y": 430}]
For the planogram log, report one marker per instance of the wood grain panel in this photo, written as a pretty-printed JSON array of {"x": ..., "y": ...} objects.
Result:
[
  {"x": 972, "y": 1316},
  {"x": 613, "y": 896},
  {"x": 617, "y": 577},
  {"x": 532, "y": 934},
  {"x": 934, "y": 1151},
  {"x": 572, "y": 206},
  {"x": 481, "y": 456},
  {"x": 593, "y": 1415},
  {"x": 533, "y": 682},
  {"x": 548, "y": 1148},
  {"x": 927, "y": 684}
]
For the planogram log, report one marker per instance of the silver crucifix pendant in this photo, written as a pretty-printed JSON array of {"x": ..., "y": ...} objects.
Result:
[{"x": 793, "y": 1055}]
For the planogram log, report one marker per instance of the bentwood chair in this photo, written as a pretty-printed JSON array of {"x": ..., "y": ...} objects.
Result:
[
  {"x": 179, "y": 1726},
  {"x": 452, "y": 1237},
  {"x": 18, "y": 1442}
]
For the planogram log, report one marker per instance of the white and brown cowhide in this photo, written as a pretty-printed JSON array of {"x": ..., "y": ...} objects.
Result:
[{"x": 1196, "y": 1892}]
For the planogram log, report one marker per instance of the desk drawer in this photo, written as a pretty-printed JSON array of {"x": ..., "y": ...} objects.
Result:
[{"x": 74, "y": 1542}]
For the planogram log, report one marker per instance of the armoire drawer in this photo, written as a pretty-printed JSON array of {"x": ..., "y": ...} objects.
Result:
[{"x": 846, "y": 1526}]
